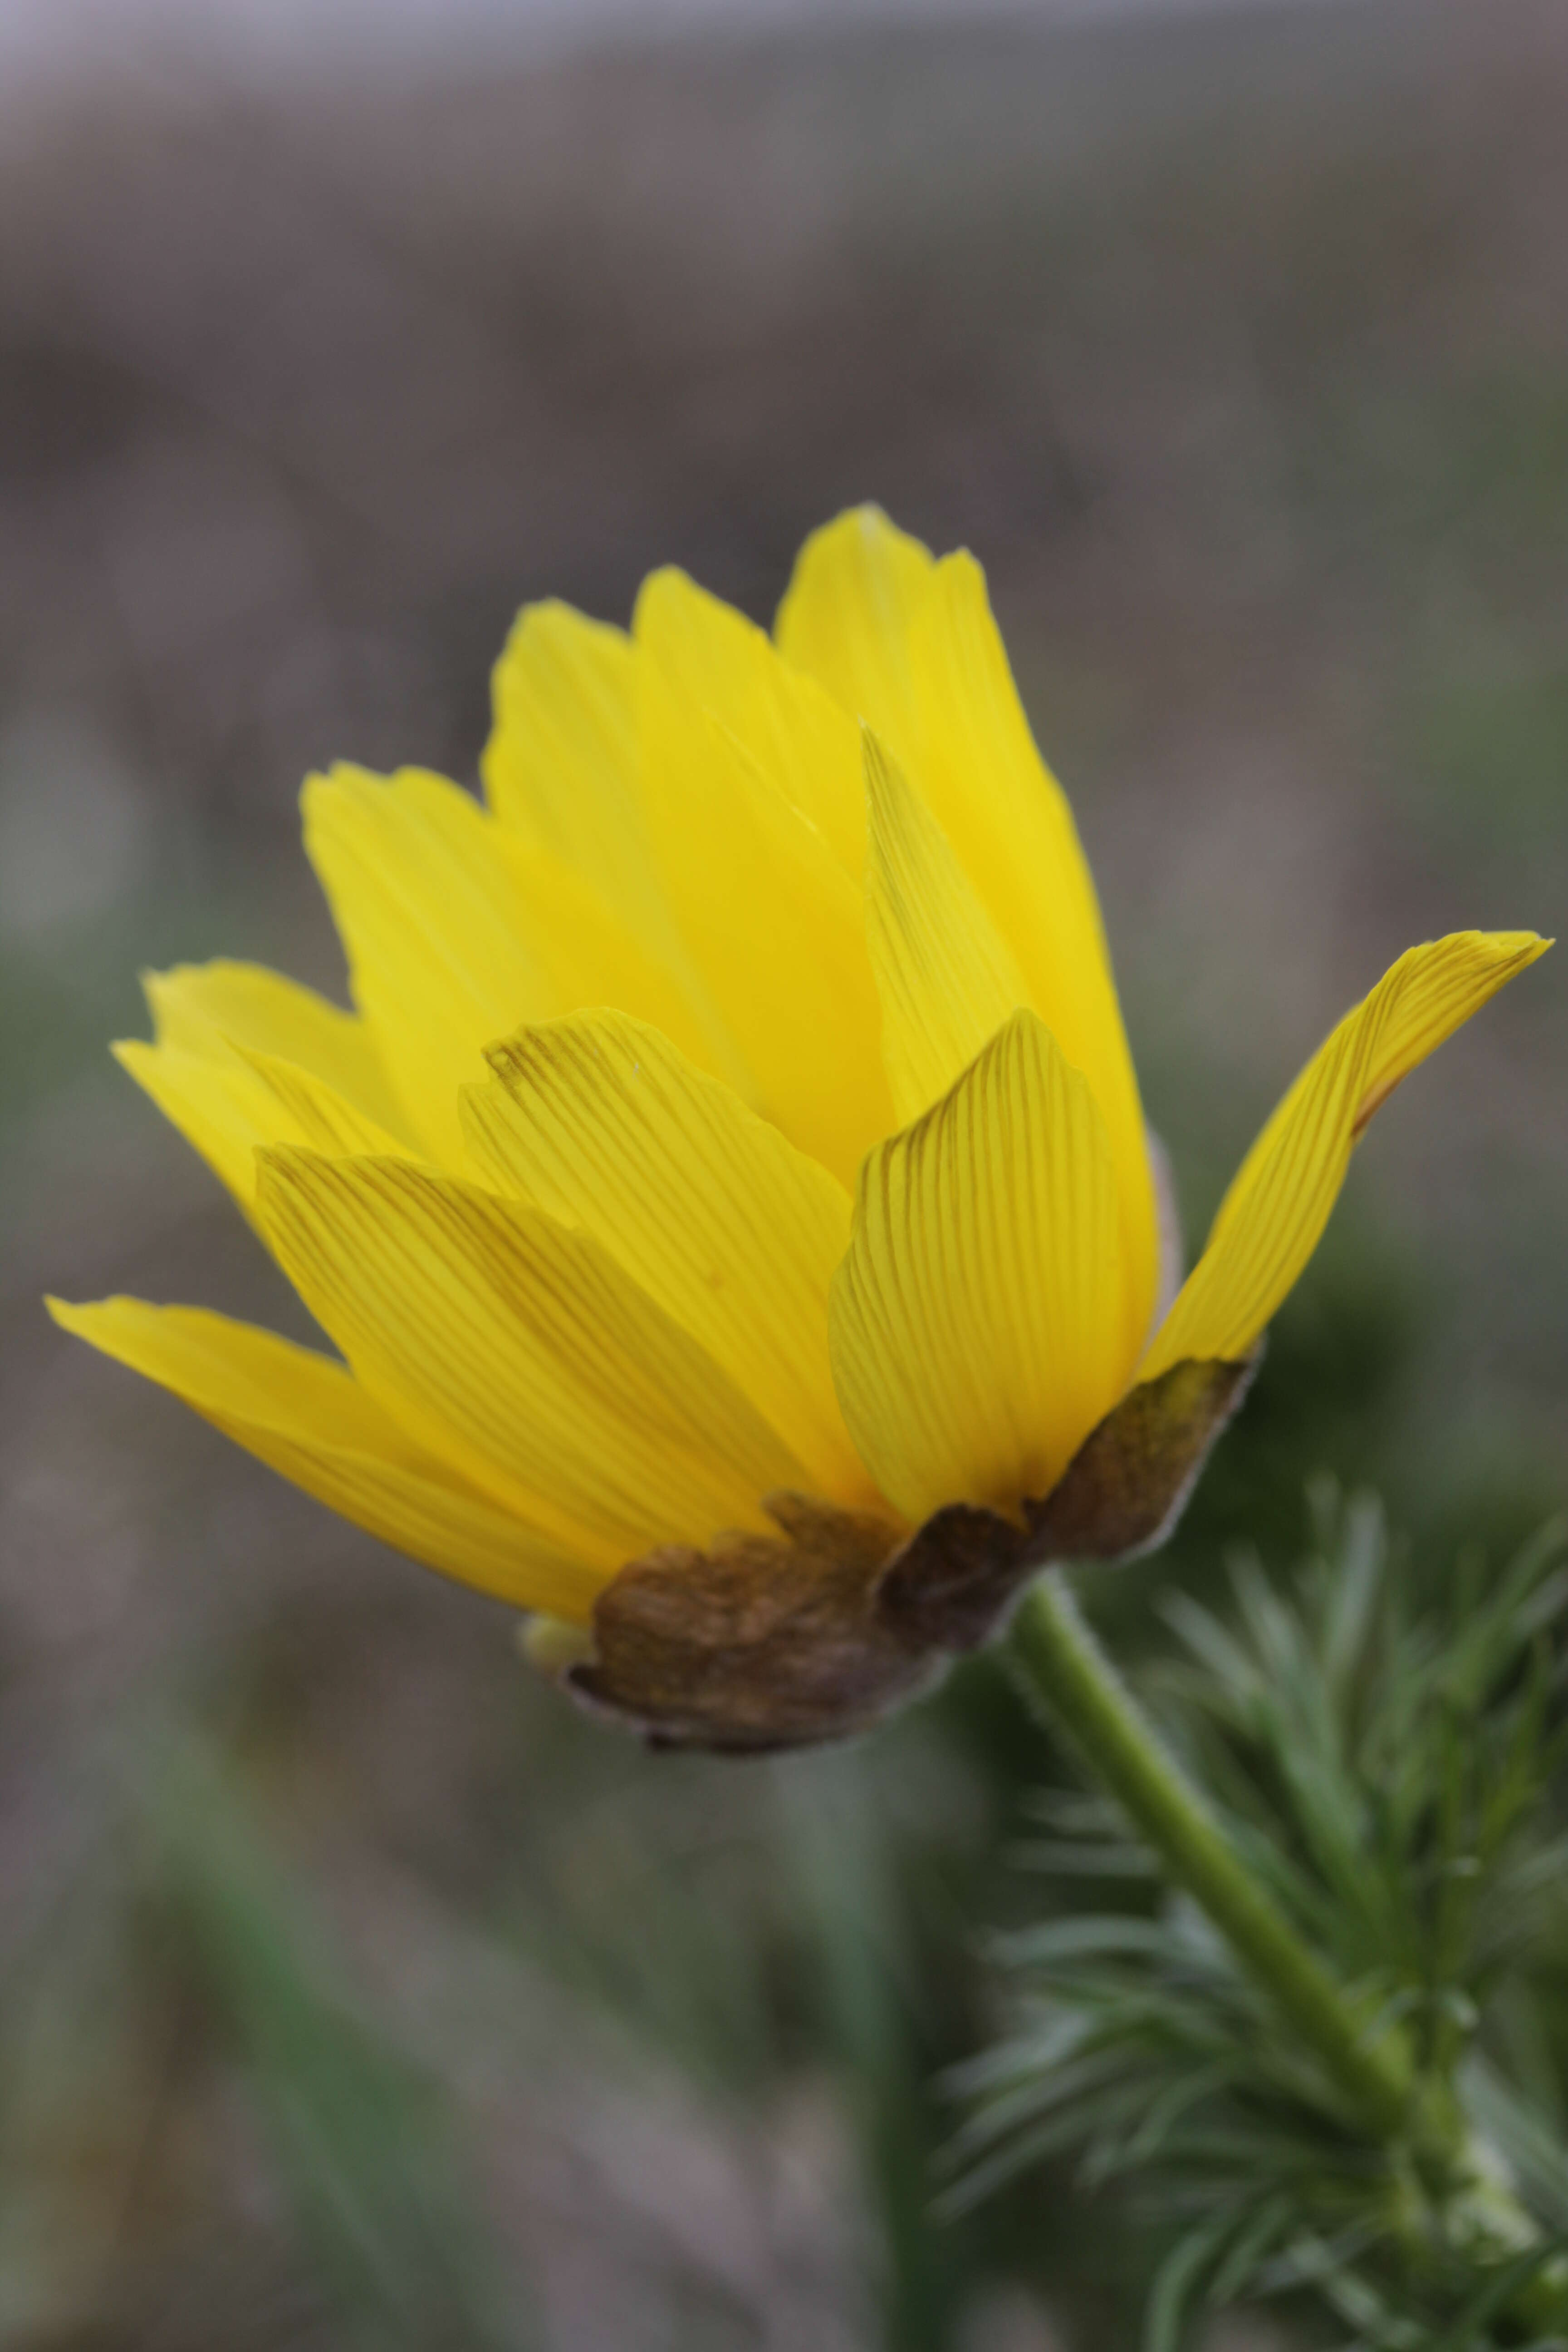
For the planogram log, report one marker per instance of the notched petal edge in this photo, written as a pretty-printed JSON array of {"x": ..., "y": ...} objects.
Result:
[{"x": 761, "y": 1643}]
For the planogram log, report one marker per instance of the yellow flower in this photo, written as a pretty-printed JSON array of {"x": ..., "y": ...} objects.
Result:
[{"x": 763, "y": 1332}]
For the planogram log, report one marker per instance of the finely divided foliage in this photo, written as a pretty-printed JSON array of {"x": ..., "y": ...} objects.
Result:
[{"x": 1381, "y": 1763}]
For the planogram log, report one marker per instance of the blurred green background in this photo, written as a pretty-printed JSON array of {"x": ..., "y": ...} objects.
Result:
[{"x": 354, "y": 1992}]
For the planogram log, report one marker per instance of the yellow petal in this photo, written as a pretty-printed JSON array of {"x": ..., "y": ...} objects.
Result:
[
  {"x": 212, "y": 1008},
  {"x": 1013, "y": 831},
  {"x": 560, "y": 768},
  {"x": 562, "y": 772},
  {"x": 587, "y": 957},
  {"x": 223, "y": 1108},
  {"x": 912, "y": 646},
  {"x": 430, "y": 919},
  {"x": 306, "y": 1418},
  {"x": 227, "y": 1102},
  {"x": 797, "y": 736},
  {"x": 775, "y": 925},
  {"x": 733, "y": 1231},
  {"x": 977, "y": 1323},
  {"x": 847, "y": 616},
  {"x": 522, "y": 1354},
  {"x": 1272, "y": 1218},
  {"x": 946, "y": 981},
  {"x": 457, "y": 930},
  {"x": 319, "y": 1117}
]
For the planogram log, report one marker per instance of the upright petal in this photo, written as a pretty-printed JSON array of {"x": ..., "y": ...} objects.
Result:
[
  {"x": 797, "y": 736},
  {"x": 775, "y": 925},
  {"x": 1272, "y": 1218},
  {"x": 560, "y": 766},
  {"x": 522, "y": 1354},
  {"x": 978, "y": 1321},
  {"x": 591, "y": 959},
  {"x": 563, "y": 773},
  {"x": 735, "y": 1233},
  {"x": 439, "y": 960},
  {"x": 1013, "y": 831},
  {"x": 912, "y": 646},
  {"x": 947, "y": 981},
  {"x": 847, "y": 618},
  {"x": 308, "y": 1419}
]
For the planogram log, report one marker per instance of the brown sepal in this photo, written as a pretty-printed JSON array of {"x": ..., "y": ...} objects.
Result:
[
  {"x": 768, "y": 1642},
  {"x": 1128, "y": 1484},
  {"x": 760, "y": 1641}
]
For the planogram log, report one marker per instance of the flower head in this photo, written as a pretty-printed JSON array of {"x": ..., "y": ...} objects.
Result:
[{"x": 730, "y": 1196}]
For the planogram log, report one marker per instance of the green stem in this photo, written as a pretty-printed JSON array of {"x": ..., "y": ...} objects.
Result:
[{"x": 1083, "y": 1689}]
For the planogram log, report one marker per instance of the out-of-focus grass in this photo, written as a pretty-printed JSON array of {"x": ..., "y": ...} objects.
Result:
[
  {"x": 359, "y": 2137},
  {"x": 436, "y": 2015}
]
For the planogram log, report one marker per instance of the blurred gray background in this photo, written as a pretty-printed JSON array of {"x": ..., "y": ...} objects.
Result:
[{"x": 352, "y": 1991}]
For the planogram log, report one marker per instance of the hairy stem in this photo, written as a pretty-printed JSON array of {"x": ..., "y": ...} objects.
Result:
[{"x": 1083, "y": 1690}]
